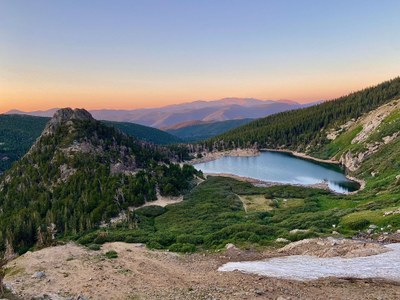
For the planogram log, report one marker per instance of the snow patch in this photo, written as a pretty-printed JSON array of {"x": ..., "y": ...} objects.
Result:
[{"x": 305, "y": 267}]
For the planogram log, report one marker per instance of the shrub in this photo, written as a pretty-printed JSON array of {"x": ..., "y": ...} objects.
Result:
[
  {"x": 111, "y": 254},
  {"x": 182, "y": 247},
  {"x": 358, "y": 224},
  {"x": 94, "y": 247},
  {"x": 136, "y": 238},
  {"x": 87, "y": 239},
  {"x": 164, "y": 239},
  {"x": 189, "y": 239},
  {"x": 151, "y": 211},
  {"x": 243, "y": 235},
  {"x": 102, "y": 237},
  {"x": 154, "y": 245}
]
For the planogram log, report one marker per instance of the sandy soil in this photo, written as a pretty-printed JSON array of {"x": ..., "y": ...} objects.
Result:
[
  {"x": 138, "y": 273},
  {"x": 162, "y": 201},
  {"x": 331, "y": 247}
]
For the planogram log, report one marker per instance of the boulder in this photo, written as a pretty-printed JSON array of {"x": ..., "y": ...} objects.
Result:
[
  {"x": 230, "y": 246},
  {"x": 39, "y": 275},
  {"x": 295, "y": 231},
  {"x": 282, "y": 240}
]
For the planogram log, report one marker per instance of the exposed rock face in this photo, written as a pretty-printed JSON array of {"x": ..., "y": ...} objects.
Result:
[
  {"x": 389, "y": 138},
  {"x": 352, "y": 161},
  {"x": 333, "y": 134},
  {"x": 370, "y": 124},
  {"x": 65, "y": 115},
  {"x": 373, "y": 119}
]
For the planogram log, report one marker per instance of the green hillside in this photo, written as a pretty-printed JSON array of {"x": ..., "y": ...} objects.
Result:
[{"x": 194, "y": 133}]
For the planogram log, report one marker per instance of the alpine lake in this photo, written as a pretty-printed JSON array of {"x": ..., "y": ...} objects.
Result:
[{"x": 282, "y": 168}]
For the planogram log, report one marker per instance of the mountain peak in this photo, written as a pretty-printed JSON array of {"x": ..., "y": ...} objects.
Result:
[{"x": 67, "y": 116}]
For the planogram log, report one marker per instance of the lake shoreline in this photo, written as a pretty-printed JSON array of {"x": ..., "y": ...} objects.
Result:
[
  {"x": 303, "y": 155},
  {"x": 361, "y": 182},
  {"x": 263, "y": 183},
  {"x": 255, "y": 152},
  {"x": 210, "y": 156}
]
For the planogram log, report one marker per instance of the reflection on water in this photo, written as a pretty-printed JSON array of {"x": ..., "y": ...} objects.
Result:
[{"x": 283, "y": 168}]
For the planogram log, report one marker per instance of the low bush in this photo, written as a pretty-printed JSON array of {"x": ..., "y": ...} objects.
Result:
[
  {"x": 182, "y": 247},
  {"x": 111, "y": 254},
  {"x": 94, "y": 247},
  {"x": 358, "y": 224}
]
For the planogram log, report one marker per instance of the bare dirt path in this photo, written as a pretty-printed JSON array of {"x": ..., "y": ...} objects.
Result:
[{"x": 138, "y": 273}]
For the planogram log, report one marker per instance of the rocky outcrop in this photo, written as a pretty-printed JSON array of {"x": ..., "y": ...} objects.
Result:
[
  {"x": 352, "y": 159},
  {"x": 66, "y": 116},
  {"x": 62, "y": 117},
  {"x": 333, "y": 134},
  {"x": 372, "y": 120}
]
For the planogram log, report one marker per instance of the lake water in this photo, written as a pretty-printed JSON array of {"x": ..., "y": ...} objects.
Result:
[{"x": 282, "y": 168}]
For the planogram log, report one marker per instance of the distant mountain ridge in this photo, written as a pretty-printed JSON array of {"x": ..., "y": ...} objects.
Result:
[
  {"x": 208, "y": 111},
  {"x": 202, "y": 130}
]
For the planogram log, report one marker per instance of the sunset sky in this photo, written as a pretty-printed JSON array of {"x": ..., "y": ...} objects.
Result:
[{"x": 134, "y": 54}]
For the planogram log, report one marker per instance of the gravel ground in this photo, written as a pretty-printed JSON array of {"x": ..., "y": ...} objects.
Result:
[{"x": 138, "y": 273}]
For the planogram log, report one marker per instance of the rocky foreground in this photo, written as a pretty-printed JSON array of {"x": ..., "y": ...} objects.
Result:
[{"x": 73, "y": 272}]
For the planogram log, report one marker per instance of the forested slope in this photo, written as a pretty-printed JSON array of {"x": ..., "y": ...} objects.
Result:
[
  {"x": 78, "y": 175},
  {"x": 17, "y": 135}
]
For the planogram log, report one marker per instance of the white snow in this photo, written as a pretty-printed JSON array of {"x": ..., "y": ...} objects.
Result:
[{"x": 302, "y": 267}]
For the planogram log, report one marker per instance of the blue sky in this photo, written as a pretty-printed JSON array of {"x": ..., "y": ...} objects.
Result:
[{"x": 128, "y": 54}]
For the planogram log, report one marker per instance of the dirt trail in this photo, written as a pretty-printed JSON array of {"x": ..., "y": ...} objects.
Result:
[
  {"x": 161, "y": 201},
  {"x": 138, "y": 273}
]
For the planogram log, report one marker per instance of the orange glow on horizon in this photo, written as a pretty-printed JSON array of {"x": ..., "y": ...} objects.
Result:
[
  {"x": 99, "y": 102},
  {"x": 30, "y": 98}
]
